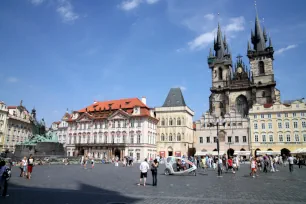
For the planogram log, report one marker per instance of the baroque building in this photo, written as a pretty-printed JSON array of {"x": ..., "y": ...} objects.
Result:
[
  {"x": 278, "y": 127},
  {"x": 19, "y": 126},
  {"x": 3, "y": 124},
  {"x": 175, "y": 126},
  {"x": 117, "y": 128},
  {"x": 235, "y": 88},
  {"x": 60, "y": 128}
]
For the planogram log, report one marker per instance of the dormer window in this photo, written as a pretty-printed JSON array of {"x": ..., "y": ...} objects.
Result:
[{"x": 127, "y": 102}]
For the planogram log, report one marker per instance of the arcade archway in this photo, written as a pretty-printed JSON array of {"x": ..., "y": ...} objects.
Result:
[
  {"x": 230, "y": 152},
  {"x": 285, "y": 152}
]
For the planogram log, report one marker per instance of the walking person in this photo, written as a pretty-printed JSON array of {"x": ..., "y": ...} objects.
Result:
[
  {"x": 266, "y": 163},
  {"x": 253, "y": 167},
  {"x": 154, "y": 167},
  {"x": 4, "y": 177},
  {"x": 85, "y": 162},
  {"x": 290, "y": 161},
  {"x": 24, "y": 166},
  {"x": 144, "y": 167},
  {"x": 92, "y": 163},
  {"x": 30, "y": 166}
]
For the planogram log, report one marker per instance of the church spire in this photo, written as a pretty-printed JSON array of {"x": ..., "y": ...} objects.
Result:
[
  {"x": 249, "y": 46},
  {"x": 270, "y": 42},
  {"x": 258, "y": 39},
  {"x": 210, "y": 53},
  {"x": 219, "y": 44}
]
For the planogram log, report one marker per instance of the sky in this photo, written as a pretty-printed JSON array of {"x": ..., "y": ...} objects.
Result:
[{"x": 64, "y": 54}]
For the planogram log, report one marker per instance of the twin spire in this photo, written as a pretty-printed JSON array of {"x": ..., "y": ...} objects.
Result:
[{"x": 221, "y": 47}]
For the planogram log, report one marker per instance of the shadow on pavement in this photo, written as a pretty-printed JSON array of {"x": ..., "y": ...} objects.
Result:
[{"x": 85, "y": 194}]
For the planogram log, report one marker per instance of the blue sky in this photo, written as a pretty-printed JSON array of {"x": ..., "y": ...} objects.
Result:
[{"x": 59, "y": 54}]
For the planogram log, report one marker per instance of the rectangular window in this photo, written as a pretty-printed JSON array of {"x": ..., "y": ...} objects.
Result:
[
  {"x": 279, "y": 115},
  {"x": 304, "y": 137},
  {"x": 201, "y": 140},
  {"x": 139, "y": 123},
  {"x": 262, "y": 116},
  {"x": 244, "y": 139},
  {"x": 304, "y": 124},
  {"x": 207, "y": 139},
  {"x": 294, "y": 114},
  {"x": 229, "y": 139},
  {"x": 286, "y": 115},
  {"x": 297, "y": 137},
  {"x": 269, "y": 115},
  {"x": 279, "y": 125},
  {"x": 295, "y": 124},
  {"x": 270, "y": 125},
  {"x": 302, "y": 114},
  {"x": 287, "y": 125},
  {"x": 138, "y": 139},
  {"x": 237, "y": 139},
  {"x": 263, "y": 126},
  {"x": 288, "y": 137},
  {"x": 255, "y": 116},
  {"x": 132, "y": 123},
  {"x": 263, "y": 138},
  {"x": 255, "y": 126},
  {"x": 113, "y": 124},
  {"x": 138, "y": 156},
  {"x": 280, "y": 138},
  {"x": 271, "y": 138},
  {"x": 215, "y": 139},
  {"x": 119, "y": 123}
]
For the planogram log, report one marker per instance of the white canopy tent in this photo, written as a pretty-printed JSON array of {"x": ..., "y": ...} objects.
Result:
[
  {"x": 268, "y": 152},
  {"x": 242, "y": 153},
  {"x": 299, "y": 151},
  {"x": 214, "y": 153}
]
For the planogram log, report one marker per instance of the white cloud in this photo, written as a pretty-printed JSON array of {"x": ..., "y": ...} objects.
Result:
[
  {"x": 183, "y": 88},
  {"x": 130, "y": 4},
  {"x": 12, "y": 79},
  {"x": 65, "y": 9},
  {"x": 180, "y": 50},
  {"x": 202, "y": 41},
  {"x": 236, "y": 24},
  {"x": 37, "y": 2},
  {"x": 206, "y": 38},
  {"x": 209, "y": 16},
  {"x": 284, "y": 49},
  {"x": 152, "y": 1}
]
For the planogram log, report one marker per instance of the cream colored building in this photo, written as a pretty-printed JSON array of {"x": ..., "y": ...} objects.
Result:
[
  {"x": 278, "y": 127},
  {"x": 19, "y": 127},
  {"x": 3, "y": 124},
  {"x": 175, "y": 126}
]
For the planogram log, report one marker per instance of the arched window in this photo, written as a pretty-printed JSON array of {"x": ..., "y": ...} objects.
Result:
[
  {"x": 220, "y": 73},
  {"x": 138, "y": 138},
  {"x": 174, "y": 121},
  {"x": 170, "y": 137},
  {"x": 178, "y": 137},
  {"x": 242, "y": 105},
  {"x": 179, "y": 121},
  {"x": 261, "y": 67},
  {"x": 170, "y": 122},
  {"x": 163, "y": 122},
  {"x": 162, "y": 137}
]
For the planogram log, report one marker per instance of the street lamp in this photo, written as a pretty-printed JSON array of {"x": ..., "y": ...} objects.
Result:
[{"x": 216, "y": 122}]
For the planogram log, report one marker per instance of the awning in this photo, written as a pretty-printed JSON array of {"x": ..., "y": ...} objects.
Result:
[
  {"x": 268, "y": 152},
  {"x": 242, "y": 153},
  {"x": 299, "y": 151},
  {"x": 214, "y": 153}
]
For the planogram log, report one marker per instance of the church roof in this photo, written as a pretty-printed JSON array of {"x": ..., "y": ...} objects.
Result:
[{"x": 175, "y": 98}]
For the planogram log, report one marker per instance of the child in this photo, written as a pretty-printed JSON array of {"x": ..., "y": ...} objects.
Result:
[
  {"x": 253, "y": 167},
  {"x": 92, "y": 163}
]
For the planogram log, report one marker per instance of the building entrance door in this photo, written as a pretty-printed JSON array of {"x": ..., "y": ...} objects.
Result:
[
  {"x": 170, "y": 153},
  {"x": 117, "y": 153}
]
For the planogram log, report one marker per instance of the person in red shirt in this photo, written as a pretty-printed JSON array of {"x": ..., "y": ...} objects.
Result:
[{"x": 230, "y": 164}]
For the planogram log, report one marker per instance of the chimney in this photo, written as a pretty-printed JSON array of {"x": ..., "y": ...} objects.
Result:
[
  {"x": 95, "y": 101},
  {"x": 144, "y": 100}
]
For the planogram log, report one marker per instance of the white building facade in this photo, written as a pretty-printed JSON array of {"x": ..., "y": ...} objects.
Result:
[
  {"x": 3, "y": 124},
  {"x": 109, "y": 129}
]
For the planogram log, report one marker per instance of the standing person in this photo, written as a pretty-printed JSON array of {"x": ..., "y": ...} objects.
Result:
[
  {"x": 24, "y": 166},
  {"x": 82, "y": 161},
  {"x": 92, "y": 163},
  {"x": 144, "y": 167},
  {"x": 4, "y": 176},
  {"x": 266, "y": 163},
  {"x": 253, "y": 167},
  {"x": 290, "y": 161},
  {"x": 230, "y": 164},
  {"x": 154, "y": 167},
  {"x": 300, "y": 162},
  {"x": 30, "y": 166},
  {"x": 21, "y": 168}
]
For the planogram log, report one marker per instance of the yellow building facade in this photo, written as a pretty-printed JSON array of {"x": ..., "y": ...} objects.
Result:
[{"x": 278, "y": 127}]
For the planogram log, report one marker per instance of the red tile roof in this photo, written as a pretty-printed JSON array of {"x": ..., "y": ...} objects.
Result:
[
  {"x": 115, "y": 105},
  {"x": 11, "y": 107},
  {"x": 268, "y": 105}
]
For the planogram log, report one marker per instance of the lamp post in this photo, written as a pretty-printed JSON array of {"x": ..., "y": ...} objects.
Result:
[{"x": 218, "y": 121}]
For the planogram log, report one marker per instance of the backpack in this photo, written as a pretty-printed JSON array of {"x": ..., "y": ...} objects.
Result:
[{"x": 7, "y": 174}]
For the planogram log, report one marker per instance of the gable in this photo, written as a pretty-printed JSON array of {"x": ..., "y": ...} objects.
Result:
[{"x": 120, "y": 115}]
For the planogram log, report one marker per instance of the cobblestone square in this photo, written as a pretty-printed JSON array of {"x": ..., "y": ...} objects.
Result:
[{"x": 109, "y": 184}]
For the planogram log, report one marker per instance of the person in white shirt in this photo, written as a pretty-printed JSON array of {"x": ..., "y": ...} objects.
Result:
[
  {"x": 144, "y": 168},
  {"x": 290, "y": 160}
]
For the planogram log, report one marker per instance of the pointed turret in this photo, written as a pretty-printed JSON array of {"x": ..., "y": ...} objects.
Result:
[
  {"x": 258, "y": 39},
  {"x": 270, "y": 42},
  {"x": 219, "y": 45},
  {"x": 265, "y": 34},
  {"x": 211, "y": 53},
  {"x": 224, "y": 42},
  {"x": 249, "y": 46}
]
